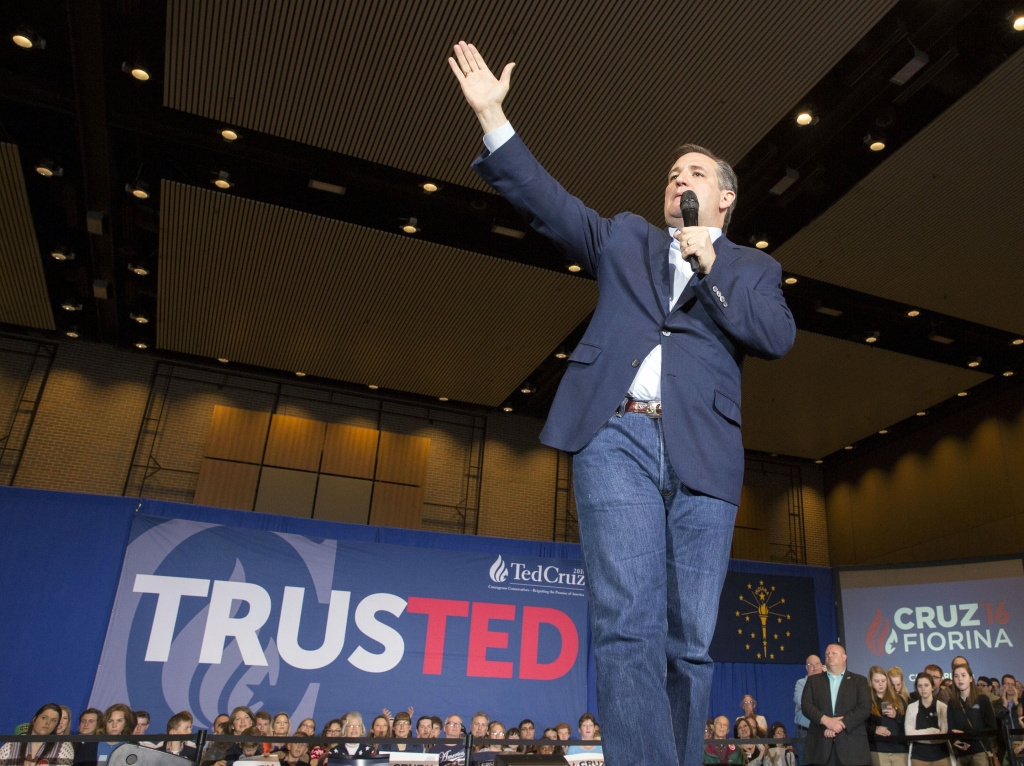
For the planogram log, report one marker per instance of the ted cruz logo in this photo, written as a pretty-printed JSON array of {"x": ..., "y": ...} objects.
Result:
[
  {"x": 499, "y": 572},
  {"x": 927, "y": 628}
]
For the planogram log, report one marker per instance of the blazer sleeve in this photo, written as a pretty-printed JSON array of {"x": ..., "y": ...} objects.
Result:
[
  {"x": 752, "y": 312},
  {"x": 517, "y": 175},
  {"x": 861, "y": 709},
  {"x": 807, "y": 704}
]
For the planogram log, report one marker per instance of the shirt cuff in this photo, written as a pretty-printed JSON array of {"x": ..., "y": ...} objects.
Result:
[{"x": 494, "y": 140}]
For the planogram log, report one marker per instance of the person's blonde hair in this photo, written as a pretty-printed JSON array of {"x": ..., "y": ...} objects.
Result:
[
  {"x": 903, "y": 693},
  {"x": 889, "y": 695}
]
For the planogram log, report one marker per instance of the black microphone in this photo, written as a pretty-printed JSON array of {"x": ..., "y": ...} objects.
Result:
[{"x": 689, "y": 206}]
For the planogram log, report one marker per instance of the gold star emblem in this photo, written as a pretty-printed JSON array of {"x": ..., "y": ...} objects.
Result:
[
  {"x": 783, "y": 600},
  {"x": 780, "y": 619},
  {"x": 752, "y": 635},
  {"x": 771, "y": 656},
  {"x": 740, "y": 631},
  {"x": 747, "y": 618},
  {"x": 782, "y": 648},
  {"x": 748, "y": 646},
  {"x": 759, "y": 655},
  {"x": 776, "y": 636},
  {"x": 787, "y": 634},
  {"x": 737, "y": 612},
  {"x": 760, "y": 582}
]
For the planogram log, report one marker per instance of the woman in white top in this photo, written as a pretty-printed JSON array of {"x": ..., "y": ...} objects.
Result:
[
  {"x": 927, "y": 716},
  {"x": 749, "y": 706}
]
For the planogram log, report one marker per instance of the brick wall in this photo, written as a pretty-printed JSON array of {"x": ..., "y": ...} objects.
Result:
[{"x": 487, "y": 472}]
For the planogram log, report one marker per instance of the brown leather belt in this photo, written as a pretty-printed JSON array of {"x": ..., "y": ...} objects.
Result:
[{"x": 651, "y": 409}]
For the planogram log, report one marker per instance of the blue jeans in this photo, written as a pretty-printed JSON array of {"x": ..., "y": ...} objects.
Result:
[{"x": 656, "y": 557}]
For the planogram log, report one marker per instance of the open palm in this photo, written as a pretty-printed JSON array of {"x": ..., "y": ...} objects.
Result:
[{"x": 483, "y": 91}]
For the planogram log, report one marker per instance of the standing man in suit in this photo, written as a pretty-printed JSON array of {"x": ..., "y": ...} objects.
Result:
[
  {"x": 650, "y": 408},
  {"x": 837, "y": 703}
]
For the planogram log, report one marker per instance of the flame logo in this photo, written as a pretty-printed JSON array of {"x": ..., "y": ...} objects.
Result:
[
  {"x": 878, "y": 638},
  {"x": 499, "y": 572}
]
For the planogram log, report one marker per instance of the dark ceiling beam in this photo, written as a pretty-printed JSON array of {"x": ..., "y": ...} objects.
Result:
[{"x": 85, "y": 29}]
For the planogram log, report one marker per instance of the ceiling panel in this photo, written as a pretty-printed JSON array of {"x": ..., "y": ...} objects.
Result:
[
  {"x": 602, "y": 92},
  {"x": 827, "y": 393},
  {"x": 23, "y": 297},
  {"x": 938, "y": 225},
  {"x": 278, "y": 288}
]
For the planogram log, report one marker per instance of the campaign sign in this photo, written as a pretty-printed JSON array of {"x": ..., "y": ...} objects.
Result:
[
  {"x": 920, "y": 624},
  {"x": 209, "y": 617}
]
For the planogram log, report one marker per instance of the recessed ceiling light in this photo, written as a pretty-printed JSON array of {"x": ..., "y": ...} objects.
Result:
[
  {"x": 875, "y": 142},
  {"x": 141, "y": 344},
  {"x": 373, "y": 386},
  {"x": 940, "y": 338},
  {"x": 848, "y": 446},
  {"x": 62, "y": 254},
  {"x": 140, "y": 318},
  {"x": 1017, "y": 342},
  {"x": 223, "y": 180},
  {"x": 324, "y": 186},
  {"x": 560, "y": 353},
  {"x": 884, "y": 431},
  {"x": 962, "y": 393},
  {"x": 71, "y": 305},
  {"x": 761, "y": 244},
  {"x": 442, "y": 398},
  {"x": 913, "y": 313},
  {"x": 790, "y": 280},
  {"x": 300, "y": 374},
  {"x": 871, "y": 337},
  {"x": 921, "y": 414},
  {"x": 48, "y": 169},
  {"x": 228, "y": 134},
  {"x": 507, "y": 407},
  {"x": 26, "y": 38},
  {"x": 527, "y": 388},
  {"x": 804, "y": 118},
  {"x": 139, "y": 73},
  {"x": 574, "y": 267},
  {"x": 818, "y": 462},
  {"x": 505, "y": 231},
  {"x": 828, "y": 311},
  {"x": 72, "y": 332},
  {"x": 139, "y": 190},
  {"x": 222, "y": 360},
  {"x": 139, "y": 269},
  {"x": 1018, "y": 23},
  {"x": 410, "y": 225},
  {"x": 1008, "y": 374},
  {"x": 430, "y": 187},
  {"x": 974, "y": 362}
]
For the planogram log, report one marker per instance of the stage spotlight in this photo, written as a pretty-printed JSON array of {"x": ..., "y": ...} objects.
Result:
[
  {"x": 139, "y": 189},
  {"x": 976, "y": 361},
  {"x": 141, "y": 344},
  {"x": 222, "y": 180},
  {"x": 62, "y": 254},
  {"x": 1017, "y": 342},
  {"x": 962, "y": 393},
  {"x": 818, "y": 462},
  {"x": 921, "y": 414},
  {"x": 527, "y": 388},
  {"x": 872, "y": 337},
  {"x": 507, "y": 407},
  {"x": 223, "y": 360},
  {"x": 573, "y": 267},
  {"x": 429, "y": 187},
  {"x": 790, "y": 280},
  {"x": 1008, "y": 374},
  {"x": 139, "y": 269},
  {"x": 71, "y": 305},
  {"x": 560, "y": 353},
  {"x": 138, "y": 71},
  {"x": 300, "y": 374},
  {"x": 884, "y": 431},
  {"x": 228, "y": 134},
  {"x": 806, "y": 118},
  {"x": 73, "y": 332},
  {"x": 410, "y": 225},
  {"x": 913, "y": 313},
  {"x": 1018, "y": 23},
  {"x": 442, "y": 398},
  {"x": 848, "y": 446},
  {"x": 140, "y": 318},
  {"x": 759, "y": 240},
  {"x": 373, "y": 386}
]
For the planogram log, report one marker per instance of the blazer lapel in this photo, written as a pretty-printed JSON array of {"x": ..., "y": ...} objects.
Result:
[{"x": 658, "y": 270}]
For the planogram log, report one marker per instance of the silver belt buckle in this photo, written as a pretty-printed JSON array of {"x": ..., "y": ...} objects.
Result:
[{"x": 652, "y": 409}]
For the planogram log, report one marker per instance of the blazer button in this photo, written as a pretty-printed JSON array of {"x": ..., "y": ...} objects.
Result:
[
  {"x": 666, "y": 333},
  {"x": 636, "y": 362}
]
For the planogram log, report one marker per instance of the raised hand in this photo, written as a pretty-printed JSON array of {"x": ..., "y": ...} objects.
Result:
[{"x": 483, "y": 91}]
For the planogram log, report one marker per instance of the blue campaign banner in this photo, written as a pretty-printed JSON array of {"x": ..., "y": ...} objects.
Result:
[{"x": 208, "y": 617}]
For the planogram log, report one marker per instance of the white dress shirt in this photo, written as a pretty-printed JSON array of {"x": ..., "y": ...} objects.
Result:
[{"x": 646, "y": 386}]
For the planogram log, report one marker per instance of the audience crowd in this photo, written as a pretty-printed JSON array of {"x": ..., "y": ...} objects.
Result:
[{"x": 933, "y": 704}]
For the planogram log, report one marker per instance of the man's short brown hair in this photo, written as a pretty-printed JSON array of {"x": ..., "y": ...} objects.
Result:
[
  {"x": 178, "y": 720},
  {"x": 723, "y": 172}
]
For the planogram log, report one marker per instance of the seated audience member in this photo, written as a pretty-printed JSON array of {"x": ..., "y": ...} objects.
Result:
[
  {"x": 527, "y": 731},
  {"x": 216, "y": 752},
  {"x": 180, "y": 723},
  {"x": 451, "y": 754},
  {"x": 401, "y": 729},
  {"x": 709, "y": 728},
  {"x": 317, "y": 752},
  {"x": 778, "y": 755},
  {"x": 926, "y": 715},
  {"x": 512, "y": 734},
  {"x": 89, "y": 721},
  {"x": 743, "y": 729},
  {"x": 438, "y": 726},
  {"x": 141, "y": 722},
  {"x": 587, "y": 729},
  {"x": 425, "y": 730},
  {"x": 564, "y": 730},
  {"x": 250, "y": 750},
  {"x": 296, "y": 754},
  {"x": 263, "y": 721},
  {"x": 994, "y": 688},
  {"x": 64, "y": 727},
  {"x": 280, "y": 726},
  {"x": 969, "y": 711},
  {"x": 550, "y": 735},
  {"x": 380, "y": 727},
  {"x": 495, "y": 730},
  {"x": 119, "y": 721},
  {"x": 306, "y": 728},
  {"x": 717, "y": 750},
  {"x": 749, "y": 706},
  {"x": 486, "y": 755},
  {"x": 43, "y": 724},
  {"x": 899, "y": 684},
  {"x": 886, "y": 722},
  {"x": 352, "y": 726},
  {"x": 478, "y": 727}
]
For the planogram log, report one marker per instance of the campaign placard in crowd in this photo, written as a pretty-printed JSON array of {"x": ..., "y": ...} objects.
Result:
[
  {"x": 209, "y": 617},
  {"x": 915, "y": 616}
]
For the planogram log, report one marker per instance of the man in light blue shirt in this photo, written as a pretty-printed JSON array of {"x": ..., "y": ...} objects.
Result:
[{"x": 813, "y": 666}]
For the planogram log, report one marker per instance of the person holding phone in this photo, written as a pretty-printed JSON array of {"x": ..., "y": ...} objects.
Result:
[
  {"x": 968, "y": 711},
  {"x": 886, "y": 722}
]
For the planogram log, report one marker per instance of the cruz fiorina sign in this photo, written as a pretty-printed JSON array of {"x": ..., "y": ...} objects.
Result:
[{"x": 209, "y": 617}]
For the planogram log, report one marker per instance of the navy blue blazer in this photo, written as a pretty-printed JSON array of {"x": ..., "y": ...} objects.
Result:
[{"x": 734, "y": 310}]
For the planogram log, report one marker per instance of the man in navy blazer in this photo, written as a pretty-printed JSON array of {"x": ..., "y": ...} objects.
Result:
[{"x": 650, "y": 408}]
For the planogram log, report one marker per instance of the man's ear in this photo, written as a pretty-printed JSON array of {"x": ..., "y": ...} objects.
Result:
[{"x": 725, "y": 199}]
